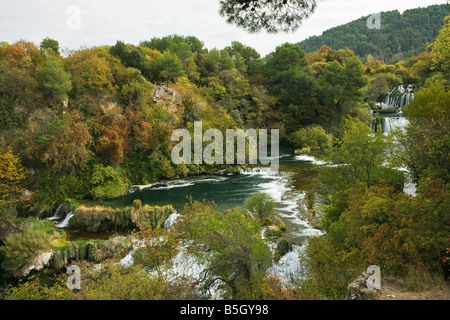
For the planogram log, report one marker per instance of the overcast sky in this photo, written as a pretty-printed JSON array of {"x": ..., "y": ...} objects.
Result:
[{"x": 103, "y": 22}]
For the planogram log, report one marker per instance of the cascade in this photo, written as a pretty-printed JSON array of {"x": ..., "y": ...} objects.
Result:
[
  {"x": 65, "y": 222},
  {"x": 58, "y": 214},
  {"x": 171, "y": 220},
  {"x": 399, "y": 97}
]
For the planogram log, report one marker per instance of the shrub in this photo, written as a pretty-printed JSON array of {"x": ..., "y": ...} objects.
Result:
[
  {"x": 313, "y": 138},
  {"x": 107, "y": 182},
  {"x": 261, "y": 205},
  {"x": 21, "y": 250},
  {"x": 137, "y": 204}
]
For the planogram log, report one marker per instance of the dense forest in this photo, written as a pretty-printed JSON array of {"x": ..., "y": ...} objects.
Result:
[
  {"x": 88, "y": 124},
  {"x": 402, "y": 35}
]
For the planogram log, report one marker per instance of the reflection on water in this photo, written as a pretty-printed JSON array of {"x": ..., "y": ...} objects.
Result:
[{"x": 294, "y": 188}]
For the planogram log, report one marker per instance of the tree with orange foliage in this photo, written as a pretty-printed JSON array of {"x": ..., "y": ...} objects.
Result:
[
  {"x": 19, "y": 53},
  {"x": 68, "y": 147},
  {"x": 113, "y": 129}
]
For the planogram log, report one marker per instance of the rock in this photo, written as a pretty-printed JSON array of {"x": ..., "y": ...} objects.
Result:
[
  {"x": 167, "y": 97},
  {"x": 358, "y": 290},
  {"x": 39, "y": 263}
]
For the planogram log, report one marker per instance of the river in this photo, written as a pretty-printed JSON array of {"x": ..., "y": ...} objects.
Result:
[{"x": 294, "y": 189}]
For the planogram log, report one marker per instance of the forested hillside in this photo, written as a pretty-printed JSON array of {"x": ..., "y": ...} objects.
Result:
[
  {"x": 401, "y": 35},
  {"x": 79, "y": 128}
]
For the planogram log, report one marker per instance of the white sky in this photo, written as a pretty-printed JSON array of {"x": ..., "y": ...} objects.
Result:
[{"x": 103, "y": 22}]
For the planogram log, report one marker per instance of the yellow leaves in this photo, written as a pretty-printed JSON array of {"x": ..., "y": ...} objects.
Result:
[{"x": 12, "y": 173}]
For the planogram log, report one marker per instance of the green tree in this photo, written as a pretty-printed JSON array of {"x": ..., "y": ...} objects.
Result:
[
  {"x": 312, "y": 138},
  {"x": 21, "y": 250},
  {"x": 427, "y": 140},
  {"x": 341, "y": 86},
  {"x": 270, "y": 15},
  {"x": 55, "y": 82},
  {"x": 290, "y": 79},
  {"x": 169, "y": 67},
  {"x": 260, "y": 205},
  {"x": 107, "y": 183},
  {"x": 359, "y": 153},
  {"x": 51, "y": 44},
  {"x": 230, "y": 245},
  {"x": 441, "y": 51}
]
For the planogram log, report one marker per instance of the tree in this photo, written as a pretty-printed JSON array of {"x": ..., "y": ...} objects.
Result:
[
  {"x": 169, "y": 67},
  {"x": 291, "y": 80},
  {"x": 68, "y": 148},
  {"x": 51, "y": 44},
  {"x": 107, "y": 183},
  {"x": 312, "y": 138},
  {"x": 12, "y": 175},
  {"x": 158, "y": 247},
  {"x": 261, "y": 205},
  {"x": 359, "y": 154},
  {"x": 91, "y": 73},
  {"x": 342, "y": 86},
  {"x": 270, "y": 15},
  {"x": 427, "y": 140},
  {"x": 441, "y": 51},
  {"x": 230, "y": 245},
  {"x": 131, "y": 56},
  {"x": 56, "y": 83},
  {"x": 113, "y": 130},
  {"x": 22, "y": 249}
]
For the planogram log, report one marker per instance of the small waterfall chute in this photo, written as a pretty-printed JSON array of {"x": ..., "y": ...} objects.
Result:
[
  {"x": 399, "y": 97},
  {"x": 65, "y": 223},
  {"x": 59, "y": 214},
  {"x": 171, "y": 220}
]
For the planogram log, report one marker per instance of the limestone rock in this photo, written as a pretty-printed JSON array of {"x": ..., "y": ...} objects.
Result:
[
  {"x": 358, "y": 290},
  {"x": 39, "y": 263},
  {"x": 167, "y": 97}
]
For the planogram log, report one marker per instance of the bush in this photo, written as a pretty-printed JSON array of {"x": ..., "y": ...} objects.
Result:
[
  {"x": 107, "y": 182},
  {"x": 261, "y": 205},
  {"x": 283, "y": 247},
  {"x": 21, "y": 250},
  {"x": 313, "y": 137}
]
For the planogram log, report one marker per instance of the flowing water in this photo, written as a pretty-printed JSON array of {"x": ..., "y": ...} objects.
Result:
[{"x": 294, "y": 189}]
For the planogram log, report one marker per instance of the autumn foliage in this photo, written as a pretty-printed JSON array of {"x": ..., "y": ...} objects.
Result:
[{"x": 12, "y": 174}]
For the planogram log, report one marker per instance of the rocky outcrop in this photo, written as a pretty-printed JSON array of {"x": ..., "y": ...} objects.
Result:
[
  {"x": 94, "y": 251},
  {"x": 167, "y": 97},
  {"x": 100, "y": 219},
  {"x": 358, "y": 290},
  {"x": 38, "y": 264}
]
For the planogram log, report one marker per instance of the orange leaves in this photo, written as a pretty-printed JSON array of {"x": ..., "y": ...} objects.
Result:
[
  {"x": 68, "y": 147},
  {"x": 141, "y": 131},
  {"x": 17, "y": 53},
  {"x": 113, "y": 129},
  {"x": 11, "y": 176}
]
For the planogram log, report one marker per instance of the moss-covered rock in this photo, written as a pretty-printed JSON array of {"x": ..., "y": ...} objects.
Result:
[
  {"x": 94, "y": 250},
  {"x": 101, "y": 219}
]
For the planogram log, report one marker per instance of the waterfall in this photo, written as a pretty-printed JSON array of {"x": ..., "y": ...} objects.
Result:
[
  {"x": 65, "y": 222},
  {"x": 399, "y": 97},
  {"x": 58, "y": 214},
  {"x": 171, "y": 220},
  {"x": 128, "y": 261},
  {"x": 391, "y": 123}
]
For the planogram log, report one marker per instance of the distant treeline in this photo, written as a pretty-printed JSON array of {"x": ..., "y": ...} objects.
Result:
[{"x": 401, "y": 35}]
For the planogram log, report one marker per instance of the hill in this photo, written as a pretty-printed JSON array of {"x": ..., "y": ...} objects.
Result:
[{"x": 401, "y": 35}]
